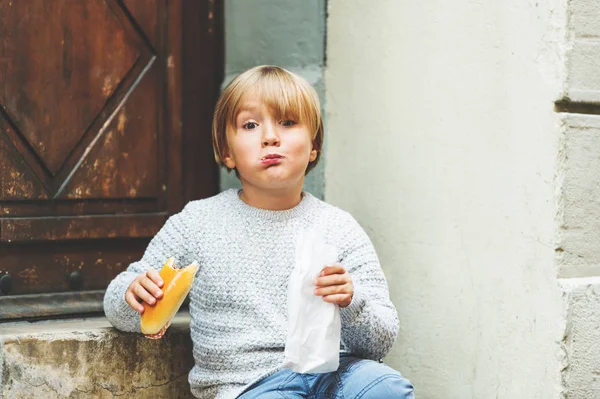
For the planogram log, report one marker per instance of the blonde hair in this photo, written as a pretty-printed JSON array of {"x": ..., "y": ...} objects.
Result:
[{"x": 286, "y": 95}]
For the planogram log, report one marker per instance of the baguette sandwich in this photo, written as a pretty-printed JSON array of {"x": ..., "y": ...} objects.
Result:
[{"x": 156, "y": 318}]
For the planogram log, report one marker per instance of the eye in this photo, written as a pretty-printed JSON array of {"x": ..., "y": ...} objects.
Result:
[
  {"x": 288, "y": 123},
  {"x": 250, "y": 125}
]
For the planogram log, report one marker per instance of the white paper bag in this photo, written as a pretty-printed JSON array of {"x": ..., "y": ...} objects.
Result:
[{"x": 313, "y": 340}]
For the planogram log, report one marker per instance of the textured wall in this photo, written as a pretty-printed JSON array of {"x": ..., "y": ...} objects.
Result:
[
  {"x": 578, "y": 188},
  {"x": 444, "y": 144},
  {"x": 583, "y": 66}
]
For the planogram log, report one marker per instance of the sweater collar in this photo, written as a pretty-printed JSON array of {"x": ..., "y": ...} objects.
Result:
[{"x": 267, "y": 214}]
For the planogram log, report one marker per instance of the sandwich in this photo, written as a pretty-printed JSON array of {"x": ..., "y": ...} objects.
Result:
[{"x": 156, "y": 318}]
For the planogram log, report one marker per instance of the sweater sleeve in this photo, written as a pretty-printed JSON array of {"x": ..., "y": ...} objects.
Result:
[
  {"x": 168, "y": 242},
  {"x": 370, "y": 322}
]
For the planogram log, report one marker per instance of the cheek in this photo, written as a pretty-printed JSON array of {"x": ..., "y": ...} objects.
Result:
[
  {"x": 244, "y": 146},
  {"x": 302, "y": 143}
]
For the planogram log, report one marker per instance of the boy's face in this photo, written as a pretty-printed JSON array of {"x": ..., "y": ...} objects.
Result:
[{"x": 268, "y": 153}]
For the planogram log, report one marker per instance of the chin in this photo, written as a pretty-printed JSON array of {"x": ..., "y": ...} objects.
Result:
[
  {"x": 274, "y": 184},
  {"x": 274, "y": 177},
  {"x": 277, "y": 185}
]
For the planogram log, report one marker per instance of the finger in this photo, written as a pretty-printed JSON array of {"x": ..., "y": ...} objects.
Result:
[
  {"x": 338, "y": 299},
  {"x": 334, "y": 289},
  {"x": 333, "y": 279},
  {"x": 333, "y": 269},
  {"x": 142, "y": 293},
  {"x": 155, "y": 277},
  {"x": 132, "y": 301},
  {"x": 151, "y": 287}
]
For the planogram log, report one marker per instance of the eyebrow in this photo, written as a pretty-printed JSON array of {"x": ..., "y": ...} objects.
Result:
[{"x": 247, "y": 108}]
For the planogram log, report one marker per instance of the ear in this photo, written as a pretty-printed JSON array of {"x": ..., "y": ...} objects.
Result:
[
  {"x": 229, "y": 162},
  {"x": 313, "y": 154}
]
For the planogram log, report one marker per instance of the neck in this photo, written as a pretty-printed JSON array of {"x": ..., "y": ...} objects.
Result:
[{"x": 275, "y": 200}]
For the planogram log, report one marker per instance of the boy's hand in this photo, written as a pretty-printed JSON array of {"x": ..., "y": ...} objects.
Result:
[
  {"x": 334, "y": 284},
  {"x": 144, "y": 289}
]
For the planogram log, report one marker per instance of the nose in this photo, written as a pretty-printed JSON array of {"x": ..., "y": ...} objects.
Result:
[{"x": 270, "y": 135}]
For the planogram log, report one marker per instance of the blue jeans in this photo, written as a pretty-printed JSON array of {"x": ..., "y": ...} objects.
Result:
[{"x": 355, "y": 379}]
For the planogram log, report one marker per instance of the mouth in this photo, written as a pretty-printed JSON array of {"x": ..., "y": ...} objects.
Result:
[{"x": 271, "y": 159}]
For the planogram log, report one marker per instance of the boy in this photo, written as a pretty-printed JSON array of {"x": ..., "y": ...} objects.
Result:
[{"x": 267, "y": 127}]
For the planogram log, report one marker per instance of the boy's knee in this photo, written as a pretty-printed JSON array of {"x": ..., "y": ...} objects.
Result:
[
  {"x": 367, "y": 379},
  {"x": 388, "y": 386}
]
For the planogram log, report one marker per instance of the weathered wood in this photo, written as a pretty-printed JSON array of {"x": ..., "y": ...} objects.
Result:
[
  {"x": 99, "y": 141},
  {"x": 203, "y": 70},
  {"x": 48, "y": 305},
  {"x": 78, "y": 207},
  {"x": 79, "y": 227},
  {"x": 17, "y": 180},
  {"x": 47, "y": 266},
  {"x": 174, "y": 103},
  {"x": 29, "y": 178},
  {"x": 124, "y": 162},
  {"x": 66, "y": 57},
  {"x": 144, "y": 15}
]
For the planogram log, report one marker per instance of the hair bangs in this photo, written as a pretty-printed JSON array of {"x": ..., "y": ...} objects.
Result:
[{"x": 281, "y": 94}]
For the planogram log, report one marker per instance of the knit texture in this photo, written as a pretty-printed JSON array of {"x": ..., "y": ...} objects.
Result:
[{"x": 238, "y": 300}]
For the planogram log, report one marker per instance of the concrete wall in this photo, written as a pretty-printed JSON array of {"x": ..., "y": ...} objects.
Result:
[
  {"x": 579, "y": 201},
  {"x": 286, "y": 33},
  {"x": 583, "y": 79},
  {"x": 443, "y": 142}
]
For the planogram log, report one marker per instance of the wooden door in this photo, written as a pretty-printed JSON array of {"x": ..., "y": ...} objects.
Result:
[{"x": 97, "y": 147}]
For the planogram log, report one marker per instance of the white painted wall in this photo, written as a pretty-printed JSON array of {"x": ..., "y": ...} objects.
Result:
[{"x": 443, "y": 141}]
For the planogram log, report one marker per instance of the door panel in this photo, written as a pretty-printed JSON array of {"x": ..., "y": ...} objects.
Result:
[
  {"x": 129, "y": 145},
  {"x": 92, "y": 148},
  {"x": 66, "y": 58}
]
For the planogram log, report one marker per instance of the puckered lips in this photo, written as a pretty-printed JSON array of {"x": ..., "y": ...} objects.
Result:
[{"x": 271, "y": 159}]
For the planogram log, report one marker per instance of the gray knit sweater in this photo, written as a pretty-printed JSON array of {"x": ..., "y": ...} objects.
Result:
[{"x": 238, "y": 300}]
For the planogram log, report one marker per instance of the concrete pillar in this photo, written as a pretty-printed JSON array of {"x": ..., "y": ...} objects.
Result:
[{"x": 444, "y": 143}]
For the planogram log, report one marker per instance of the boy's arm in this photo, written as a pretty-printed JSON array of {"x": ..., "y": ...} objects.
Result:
[
  {"x": 168, "y": 242},
  {"x": 370, "y": 322}
]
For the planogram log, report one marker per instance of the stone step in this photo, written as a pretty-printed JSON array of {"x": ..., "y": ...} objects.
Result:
[{"x": 88, "y": 358}]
